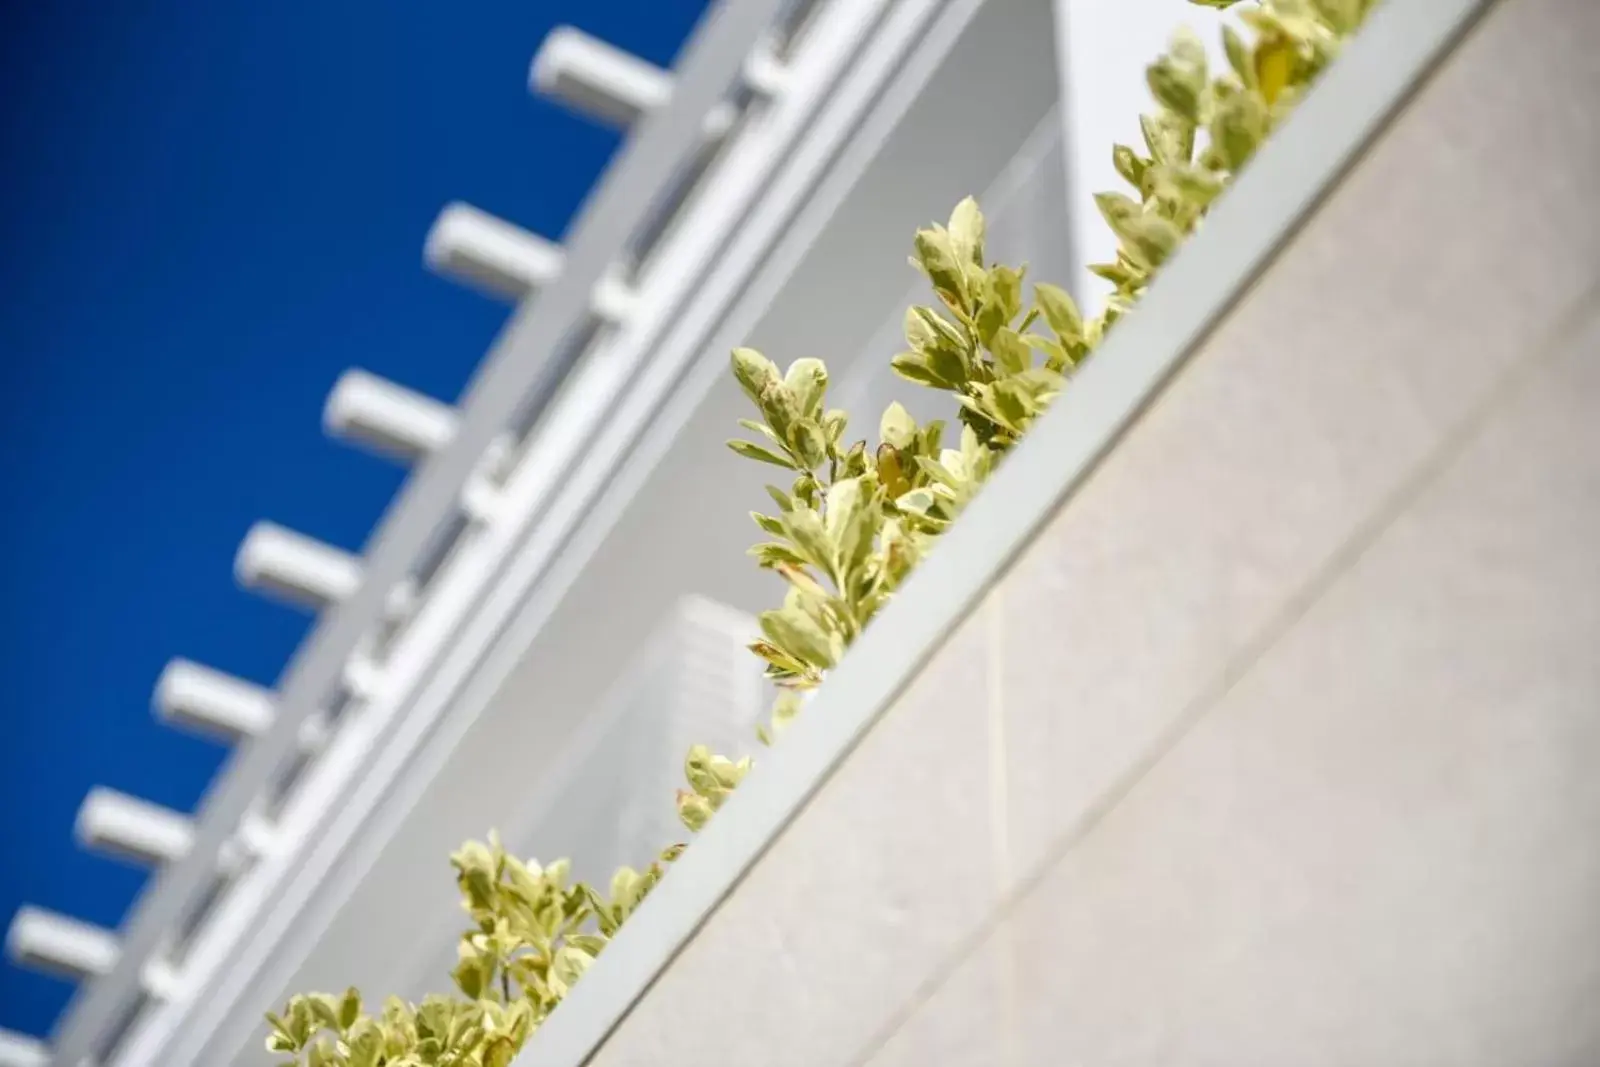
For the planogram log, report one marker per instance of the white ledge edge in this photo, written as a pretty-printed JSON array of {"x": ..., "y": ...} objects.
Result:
[{"x": 1398, "y": 47}]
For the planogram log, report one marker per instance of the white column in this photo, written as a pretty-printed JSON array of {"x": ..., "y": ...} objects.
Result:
[
  {"x": 489, "y": 253},
  {"x": 128, "y": 828},
  {"x": 295, "y": 568},
  {"x": 505, "y": 261},
  {"x": 386, "y": 418},
  {"x": 211, "y": 703},
  {"x": 597, "y": 79},
  {"x": 50, "y": 942}
]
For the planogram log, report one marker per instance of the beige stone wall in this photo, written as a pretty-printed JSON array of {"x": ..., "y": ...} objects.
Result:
[{"x": 1279, "y": 745}]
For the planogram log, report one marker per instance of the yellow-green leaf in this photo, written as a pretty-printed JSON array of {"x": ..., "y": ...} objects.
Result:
[
  {"x": 753, "y": 371},
  {"x": 897, "y": 427},
  {"x": 967, "y": 231},
  {"x": 751, "y": 450},
  {"x": 1060, "y": 311},
  {"x": 1274, "y": 65},
  {"x": 807, "y": 381}
]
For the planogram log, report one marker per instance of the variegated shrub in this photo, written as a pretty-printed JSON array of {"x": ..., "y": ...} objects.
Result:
[{"x": 850, "y": 519}]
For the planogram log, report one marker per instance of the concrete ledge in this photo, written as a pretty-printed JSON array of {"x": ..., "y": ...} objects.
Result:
[{"x": 804, "y": 927}]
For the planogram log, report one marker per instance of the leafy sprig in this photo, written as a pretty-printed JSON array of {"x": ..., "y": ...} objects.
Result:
[
  {"x": 854, "y": 520},
  {"x": 1005, "y": 361}
]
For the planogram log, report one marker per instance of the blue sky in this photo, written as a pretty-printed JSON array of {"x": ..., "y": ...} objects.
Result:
[{"x": 210, "y": 210}]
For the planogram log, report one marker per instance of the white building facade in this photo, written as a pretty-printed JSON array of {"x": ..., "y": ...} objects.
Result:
[{"x": 556, "y": 603}]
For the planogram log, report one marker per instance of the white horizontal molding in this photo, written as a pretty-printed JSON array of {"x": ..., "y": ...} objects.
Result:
[
  {"x": 21, "y": 1050},
  {"x": 125, "y": 827},
  {"x": 294, "y": 568},
  {"x": 57, "y": 944},
  {"x": 211, "y": 703},
  {"x": 387, "y": 418}
]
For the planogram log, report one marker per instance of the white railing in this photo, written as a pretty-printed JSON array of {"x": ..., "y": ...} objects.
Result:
[{"x": 515, "y": 385}]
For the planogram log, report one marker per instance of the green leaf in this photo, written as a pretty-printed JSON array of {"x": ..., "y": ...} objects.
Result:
[
  {"x": 781, "y": 407},
  {"x": 761, "y": 428},
  {"x": 1056, "y": 355},
  {"x": 751, "y": 450},
  {"x": 499, "y": 1053},
  {"x": 1130, "y": 165},
  {"x": 1116, "y": 209},
  {"x": 967, "y": 231},
  {"x": 753, "y": 371},
  {"x": 948, "y": 366},
  {"x": 767, "y": 523},
  {"x": 325, "y": 1009},
  {"x": 807, "y": 381},
  {"x": 1006, "y": 285},
  {"x": 937, "y": 471},
  {"x": 913, "y": 366},
  {"x": 891, "y": 470},
  {"x": 920, "y": 333},
  {"x": 1121, "y": 274},
  {"x": 1188, "y": 51},
  {"x": 1178, "y": 79},
  {"x": 897, "y": 427},
  {"x": 1150, "y": 239},
  {"x": 1169, "y": 137},
  {"x": 842, "y": 519},
  {"x": 806, "y": 531},
  {"x": 1013, "y": 404},
  {"x": 282, "y": 1030},
  {"x": 365, "y": 1043},
  {"x": 1011, "y": 352},
  {"x": 470, "y": 975},
  {"x": 1191, "y": 184},
  {"x": 1239, "y": 56},
  {"x": 833, "y": 426},
  {"x": 937, "y": 255},
  {"x": 991, "y": 311},
  {"x": 854, "y": 463},
  {"x": 1059, "y": 311},
  {"x": 1274, "y": 66},
  {"x": 1237, "y": 128},
  {"x": 321, "y": 1055},
  {"x": 349, "y": 1008},
  {"x": 773, "y": 554},
  {"x": 797, "y": 633},
  {"x": 808, "y": 443}
]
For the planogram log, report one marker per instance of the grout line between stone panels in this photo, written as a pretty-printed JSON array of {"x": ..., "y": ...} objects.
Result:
[
  {"x": 1499, "y": 395},
  {"x": 1000, "y": 857}
]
